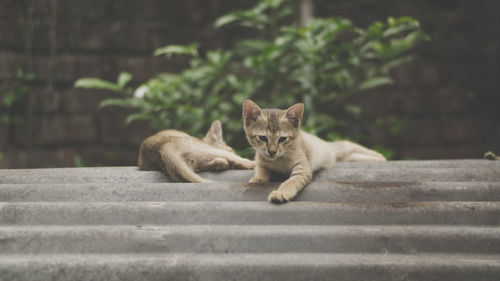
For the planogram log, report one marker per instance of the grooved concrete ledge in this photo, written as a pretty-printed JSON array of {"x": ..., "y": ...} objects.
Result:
[{"x": 400, "y": 220}]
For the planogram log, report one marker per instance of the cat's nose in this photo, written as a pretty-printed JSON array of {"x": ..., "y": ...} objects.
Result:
[{"x": 271, "y": 152}]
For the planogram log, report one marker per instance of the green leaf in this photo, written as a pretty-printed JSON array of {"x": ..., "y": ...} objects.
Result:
[
  {"x": 177, "y": 50},
  {"x": 22, "y": 76},
  {"x": 226, "y": 19},
  {"x": 251, "y": 45},
  {"x": 21, "y": 90},
  {"x": 397, "y": 125},
  {"x": 78, "y": 162},
  {"x": 9, "y": 99},
  {"x": 5, "y": 119},
  {"x": 119, "y": 102},
  {"x": 387, "y": 152},
  {"x": 123, "y": 79},
  {"x": 254, "y": 20},
  {"x": 96, "y": 83},
  {"x": 214, "y": 57},
  {"x": 19, "y": 73},
  {"x": 137, "y": 116},
  {"x": 375, "y": 82},
  {"x": 239, "y": 98},
  {"x": 396, "y": 30},
  {"x": 353, "y": 109},
  {"x": 274, "y": 3},
  {"x": 396, "y": 62},
  {"x": 286, "y": 11}
]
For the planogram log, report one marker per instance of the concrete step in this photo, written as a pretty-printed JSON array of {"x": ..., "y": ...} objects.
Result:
[
  {"x": 427, "y": 164},
  {"x": 410, "y": 174},
  {"x": 469, "y": 170},
  {"x": 403, "y": 220},
  {"x": 285, "y": 266},
  {"x": 216, "y": 192},
  {"x": 122, "y": 239},
  {"x": 248, "y": 213},
  {"x": 101, "y": 175}
]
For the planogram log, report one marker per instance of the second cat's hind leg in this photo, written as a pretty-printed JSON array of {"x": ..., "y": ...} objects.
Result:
[{"x": 176, "y": 168}]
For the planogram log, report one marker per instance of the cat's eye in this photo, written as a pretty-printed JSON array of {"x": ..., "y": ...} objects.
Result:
[
  {"x": 263, "y": 138},
  {"x": 282, "y": 139}
]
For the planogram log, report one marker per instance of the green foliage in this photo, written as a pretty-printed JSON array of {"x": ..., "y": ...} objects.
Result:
[
  {"x": 374, "y": 82},
  {"x": 78, "y": 162},
  {"x": 387, "y": 152},
  {"x": 96, "y": 83},
  {"x": 15, "y": 95},
  {"x": 321, "y": 64},
  {"x": 262, "y": 16},
  {"x": 397, "y": 125},
  {"x": 177, "y": 50}
]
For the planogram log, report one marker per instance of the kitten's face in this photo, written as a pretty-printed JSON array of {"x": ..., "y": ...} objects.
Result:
[
  {"x": 214, "y": 137},
  {"x": 271, "y": 131}
]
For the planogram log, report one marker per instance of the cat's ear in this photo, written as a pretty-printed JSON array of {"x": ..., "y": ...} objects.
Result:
[
  {"x": 251, "y": 112},
  {"x": 214, "y": 134},
  {"x": 294, "y": 114}
]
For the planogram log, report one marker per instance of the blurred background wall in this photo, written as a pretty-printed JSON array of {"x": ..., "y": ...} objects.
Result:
[{"x": 449, "y": 96}]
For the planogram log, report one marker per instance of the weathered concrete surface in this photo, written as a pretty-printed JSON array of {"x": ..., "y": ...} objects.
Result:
[
  {"x": 403, "y": 220},
  {"x": 453, "y": 170},
  {"x": 362, "y": 191},
  {"x": 248, "y": 213},
  {"x": 271, "y": 267},
  {"x": 122, "y": 239}
]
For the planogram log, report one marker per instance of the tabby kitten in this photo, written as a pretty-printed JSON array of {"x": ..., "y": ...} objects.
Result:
[
  {"x": 181, "y": 155},
  {"x": 283, "y": 147}
]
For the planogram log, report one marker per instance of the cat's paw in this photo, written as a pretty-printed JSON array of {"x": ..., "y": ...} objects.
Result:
[
  {"x": 219, "y": 164},
  {"x": 243, "y": 164},
  {"x": 258, "y": 179},
  {"x": 277, "y": 196},
  {"x": 250, "y": 165}
]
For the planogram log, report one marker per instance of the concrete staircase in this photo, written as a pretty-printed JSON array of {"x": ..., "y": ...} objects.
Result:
[{"x": 401, "y": 220}]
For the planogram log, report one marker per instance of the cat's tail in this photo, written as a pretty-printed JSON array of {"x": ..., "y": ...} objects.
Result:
[
  {"x": 176, "y": 166},
  {"x": 347, "y": 151}
]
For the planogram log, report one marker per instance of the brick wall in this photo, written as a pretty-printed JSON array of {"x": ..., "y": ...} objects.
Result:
[{"x": 449, "y": 96}]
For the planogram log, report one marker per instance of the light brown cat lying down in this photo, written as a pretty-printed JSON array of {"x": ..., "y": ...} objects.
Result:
[
  {"x": 283, "y": 147},
  {"x": 181, "y": 155}
]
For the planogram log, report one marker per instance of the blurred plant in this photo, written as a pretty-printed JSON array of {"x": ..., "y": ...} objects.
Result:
[
  {"x": 15, "y": 95},
  {"x": 321, "y": 64},
  {"x": 119, "y": 86},
  {"x": 491, "y": 156},
  {"x": 78, "y": 161}
]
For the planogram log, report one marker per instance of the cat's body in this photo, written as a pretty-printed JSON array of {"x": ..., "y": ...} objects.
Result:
[
  {"x": 181, "y": 155},
  {"x": 283, "y": 147},
  {"x": 321, "y": 154}
]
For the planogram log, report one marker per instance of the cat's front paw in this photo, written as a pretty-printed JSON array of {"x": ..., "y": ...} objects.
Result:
[
  {"x": 258, "y": 179},
  {"x": 250, "y": 165},
  {"x": 277, "y": 196}
]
